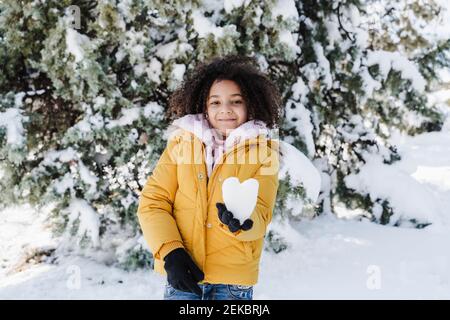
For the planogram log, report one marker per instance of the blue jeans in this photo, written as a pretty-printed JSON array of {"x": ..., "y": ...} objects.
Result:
[{"x": 211, "y": 292}]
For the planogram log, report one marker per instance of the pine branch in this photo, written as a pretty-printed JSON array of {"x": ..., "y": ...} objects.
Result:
[{"x": 340, "y": 23}]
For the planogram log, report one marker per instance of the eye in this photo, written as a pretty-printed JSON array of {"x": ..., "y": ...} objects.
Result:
[
  {"x": 215, "y": 102},
  {"x": 237, "y": 101}
]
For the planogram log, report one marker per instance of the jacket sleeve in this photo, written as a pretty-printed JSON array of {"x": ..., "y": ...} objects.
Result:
[
  {"x": 267, "y": 177},
  {"x": 154, "y": 212}
]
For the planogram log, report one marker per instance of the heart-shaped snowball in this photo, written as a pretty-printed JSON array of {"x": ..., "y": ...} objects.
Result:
[{"x": 240, "y": 198}]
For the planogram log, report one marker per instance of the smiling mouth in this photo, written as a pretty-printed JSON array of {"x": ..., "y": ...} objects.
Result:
[{"x": 227, "y": 120}]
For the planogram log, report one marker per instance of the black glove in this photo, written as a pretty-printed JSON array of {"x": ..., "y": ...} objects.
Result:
[
  {"x": 182, "y": 272},
  {"x": 227, "y": 218}
]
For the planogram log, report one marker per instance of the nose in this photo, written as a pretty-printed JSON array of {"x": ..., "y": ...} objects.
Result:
[{"x": 226, "y": 109}]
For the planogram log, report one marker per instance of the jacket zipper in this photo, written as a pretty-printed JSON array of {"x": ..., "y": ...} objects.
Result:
[
  {"x": 213, "y": 180},
  {"x": 213, "y": 177},
  {"x": 214, "y": 172}
]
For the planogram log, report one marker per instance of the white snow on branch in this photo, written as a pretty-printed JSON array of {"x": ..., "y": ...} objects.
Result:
[
  {"x": 204, "y": 26},
  {"x": 373, "y": 178},
  {"x": 173, "y": 49},
  {"x": 334, "y": 36},
  {"x": 300, "y": 117},
  {"x": 290, "y": 39},
  {"x": 65, "y": 183},
  {"x": 394, "y": 60},
  {"x": 178, "y": 71},
  {"x": 324, "y": 65},
  {"x": 65, "y": 155},
  {"x": 129, "y": 116},
  {"x": 229, "y": 5},
  {"x": 300, "y": 169},
  {"x": 88, "y": 177},
  {"x": 154, "y": 110},
  {"x": 12, "y": 119},
  {"x": 153, "y": 71},
  {"x": 165, "y": 51},
  {"x": 75, "y": 43},
  {"x": 286, "y": 9},
  {"x": 369, "y": 84},
  {"x": 300, "y": 90},
  {"x": 89, "y": 223}
]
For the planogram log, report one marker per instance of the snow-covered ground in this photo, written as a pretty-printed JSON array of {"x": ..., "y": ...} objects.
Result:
[{"x": 329, "y": 258}]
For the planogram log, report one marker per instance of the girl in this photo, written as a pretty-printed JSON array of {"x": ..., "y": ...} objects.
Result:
[{"x": 223, "y": 112}]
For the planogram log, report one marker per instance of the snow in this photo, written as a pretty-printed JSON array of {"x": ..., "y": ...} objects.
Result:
[
  {"x": 154, "y": 110},
  {"x": 421, "y": 177},
  {"x": 438, "y": 29},
  {"x": 300, "y": 169},
  {"x": 360, "y": 34},
  {"x": 290, "y": 39},
  {"x": 300, "y": 90},
  {"x": 257, "y": 16},
  {"x": 324, "y": 65},
  {"x": 337, "y": 259},
  {"x": 229, "y": 5},
  {"x": 154, "y": 70},
  {"x": 134, "y": 45},
  {"x": 96, "y": 121},
  {"x": 129, "y": 116},
  {"x": 423, "y": 205},
  {"x": 204, "y": 26},
  {"x": 65, "y": 155},
  {"x": 300, "y": 117},
  {"x": 334, "y": 36},
  {"x": 55, "y": 158},
  {"x": 21, "y": 228},
  {"x": 240, "y": 198},
  {"x": 80, "y": 210},
  {"x": 124, "y": 8},
  {"x": 129, "y": 200},
  {"x": 330, "y": 258},
  {"x": 65, "y": 183},
  {"x": 286, "y": 9},
  {"x": 88, "y": 177},
  {"x": 133, "y": 135},
  {"x": 395, "y": 60},
  {"x": 81, "y": 278},
  {"x": 369, "y": 83},
  {"x": 165, "y": 51},
  {"x": 12, "y": 120},
  {"x": 327, "y": 257},
  {"x": 75, "y": 43},
  {"x": 178, "y": 71}
]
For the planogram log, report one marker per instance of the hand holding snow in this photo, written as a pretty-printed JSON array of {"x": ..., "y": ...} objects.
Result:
[{"x": 240, "y": 198}]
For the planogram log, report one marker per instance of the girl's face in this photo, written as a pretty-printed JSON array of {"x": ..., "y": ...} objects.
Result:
[{"x": 226, "y": 107}]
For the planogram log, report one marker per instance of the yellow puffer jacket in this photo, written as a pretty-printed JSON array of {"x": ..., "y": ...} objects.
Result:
[{"x": 177, "y": 207}]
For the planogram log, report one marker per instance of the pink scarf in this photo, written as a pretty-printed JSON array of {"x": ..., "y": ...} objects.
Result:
[{"x": 215, "y": 146}]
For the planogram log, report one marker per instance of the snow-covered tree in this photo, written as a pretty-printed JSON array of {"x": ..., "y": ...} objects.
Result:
[
  {"x": 352, "y": 89},
  {"x": 84, "y": 86}
]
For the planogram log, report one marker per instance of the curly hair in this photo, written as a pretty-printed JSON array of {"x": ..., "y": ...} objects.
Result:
[{"x": 262, "y": 98}]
